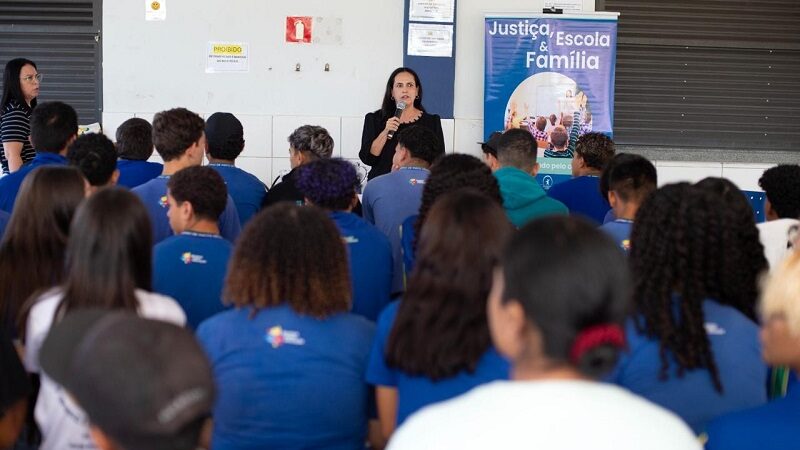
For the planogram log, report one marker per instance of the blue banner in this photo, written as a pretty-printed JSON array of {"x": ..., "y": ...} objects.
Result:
[{"x": 545, "y": 72}]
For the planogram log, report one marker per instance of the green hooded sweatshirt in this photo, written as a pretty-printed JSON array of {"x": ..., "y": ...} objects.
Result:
[{"x": 523, "y": 198}]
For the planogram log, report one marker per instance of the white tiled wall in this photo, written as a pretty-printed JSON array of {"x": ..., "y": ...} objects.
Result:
[{"x": 266, "y": 152}]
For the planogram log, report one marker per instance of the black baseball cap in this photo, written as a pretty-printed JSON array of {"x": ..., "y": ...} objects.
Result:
[
  {"x": 140, "y": 381},
  {"x": 490, "y": 146},
  {"x": 224, "y": 133}
]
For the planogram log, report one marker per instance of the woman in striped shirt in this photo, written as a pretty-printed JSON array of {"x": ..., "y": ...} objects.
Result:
[{"x": 20, "y": 89}]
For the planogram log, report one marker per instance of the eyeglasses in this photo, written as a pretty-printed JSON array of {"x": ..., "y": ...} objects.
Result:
[{"x": 29, "y": 79}]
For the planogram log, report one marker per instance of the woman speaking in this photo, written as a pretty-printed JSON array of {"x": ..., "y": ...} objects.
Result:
[{"x": 404, "y": 96}]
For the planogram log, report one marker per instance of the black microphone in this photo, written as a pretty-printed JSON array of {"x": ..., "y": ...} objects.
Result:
[{"x": 397, "y": 113}]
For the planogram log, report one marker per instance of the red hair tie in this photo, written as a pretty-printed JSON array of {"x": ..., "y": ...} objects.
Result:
[{"x": 594, "y": 336}]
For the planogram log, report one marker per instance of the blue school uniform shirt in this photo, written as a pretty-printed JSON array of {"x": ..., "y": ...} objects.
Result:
[
  {"x": 133, "y": 173},
  {"x": 154, "y": 196},
  {"x": 287, "y": 380},
  {"x": 620, "y": 231},
  {"x": 416, "y": 391},
  {"x": 246, "y": 190},
  {"x": 10, "y": 184},
  {"x": 737, "y": 353},
  {"x": 772, "y": 426},
  {"x": 388, "y": 200},
  {"x": 582, "y": 197},
  {"x": 190, "y": 267},
  {"x": 371, "y": 263}
]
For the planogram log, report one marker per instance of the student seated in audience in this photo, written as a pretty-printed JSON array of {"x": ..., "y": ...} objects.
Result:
[
  {"x": 108, "y": 265},
  {"x": 626, "y": 182},
  {"x": 32, "y": 248},
  {"x": 559, "y": 336},
  {"x": 773, "y": 425},
  {"x": 144, "y": 384},
  {"x": 307, "y": 143},
  {"x": 456, "y": 171},
  {"x": 289, "y": 361},
  {"x": 582, "y": 194},
  {"x": 333, "y": 184},
  {"x": 691, "y": 346},
  {"x": 523, "y": 198},
  {"x": 190, "y": 266},
  {"x": 391, "y": 198},
  {"x": 781, "y": 184},
  {"x": 54, "y": 125},
  {"x": 225, "y": 137},
  {"x": 94, "y": 155},
  {"x": 180, "y": 139},
  {"x": 134, "y": 148},
  {"x": 434, "y": 344},
  {"x": 748, "y": 248},
  {"x": 489, "y": 149},
  {"x": 14, "y": 391}
]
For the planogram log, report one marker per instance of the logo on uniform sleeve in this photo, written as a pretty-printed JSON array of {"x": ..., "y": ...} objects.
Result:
[
  {"x": 416, "y": 181},
  {"x": 277, "y": 336},
  {"x": 162, "y": 202},
  {"x": 190, "y": 258},
  {"x": 350, "y": 240},
  {"x": 626, "y": 245}
]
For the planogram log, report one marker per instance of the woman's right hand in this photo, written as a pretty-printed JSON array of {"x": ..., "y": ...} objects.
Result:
[{"x": 392, "y": 124}]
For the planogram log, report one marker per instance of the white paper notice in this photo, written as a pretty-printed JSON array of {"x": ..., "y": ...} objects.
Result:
[
  {"x": 432, "y": 10},
  {"x": 227, "y": 57},
  {"x": 568, "y": 6},
  {"x": 430, "y": 40},
  {"x": 155, "y": 9}
]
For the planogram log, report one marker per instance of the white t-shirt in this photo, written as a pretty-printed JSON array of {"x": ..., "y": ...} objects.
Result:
[
  {"x": 775, "y": 237},
  {"x": 545, "y": 415},
  {"x": 63, "y": 423}
]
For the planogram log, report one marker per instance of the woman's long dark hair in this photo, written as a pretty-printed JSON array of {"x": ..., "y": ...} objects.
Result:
[
  {"x": 109, "y": 253},
  {"x": 441, "y": 326},
  {"x": 684, "y": 251},
  {"x": 12, "y": 88},
  {"x": 32, "y": 249},
  {"x": 749, "y": 245},
  {"x": 389, "y": 105}
]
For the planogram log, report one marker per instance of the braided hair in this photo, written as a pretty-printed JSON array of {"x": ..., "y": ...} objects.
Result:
[{"x": 683, "y": 251}]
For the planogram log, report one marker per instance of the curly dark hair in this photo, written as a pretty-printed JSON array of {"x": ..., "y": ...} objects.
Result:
[
  {"x": 453, "y": 172},
  {"x": 290, "y": 254},
  {"x": 175, "y": 130},
  {"x": 33, "y": 246},
  {"x": 135, "y": 139},
  {"x": 782, "y": 186},
  {"x": 596, "y": 149},
  {"x": 420, "y": 142},
  {"x": 329, "y": 183},
  {"x": 94, "y": 154},
  {"x": 201, "y": 186},
  {"x": 441, "y": 326},
  {"x": 743, "y": 224},
  {"x": 682, "y": 245}
]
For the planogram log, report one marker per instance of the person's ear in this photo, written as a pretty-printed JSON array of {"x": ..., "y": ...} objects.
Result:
[
  {"x": 612, "y": 199},
  {"x": 535, "y": 169},
  {"x": 114, "y": 178},
  {"x": 187, "y": 211}
]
